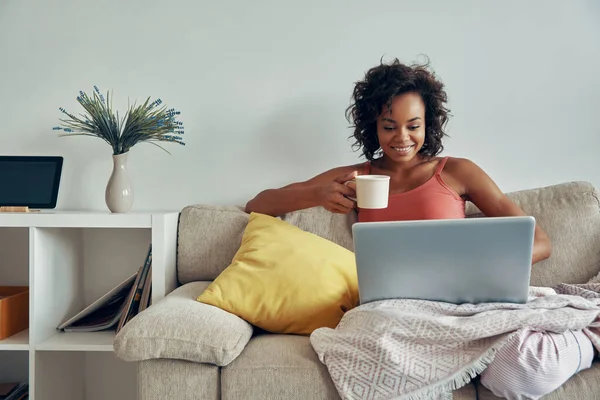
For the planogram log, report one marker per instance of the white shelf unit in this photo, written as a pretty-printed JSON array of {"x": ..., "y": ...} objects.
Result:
[{"x": 68, "y": 260}]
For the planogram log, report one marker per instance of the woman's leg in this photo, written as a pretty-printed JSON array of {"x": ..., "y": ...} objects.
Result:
[{"x": 533, "y": 364}]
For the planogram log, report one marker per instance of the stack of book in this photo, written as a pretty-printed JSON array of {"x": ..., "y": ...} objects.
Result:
[
  {"x": 117, "y": 307},
  {"x": 14, "y": 390}
]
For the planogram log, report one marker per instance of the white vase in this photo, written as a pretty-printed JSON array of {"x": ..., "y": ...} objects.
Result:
[{"x": 119, "y": 190}]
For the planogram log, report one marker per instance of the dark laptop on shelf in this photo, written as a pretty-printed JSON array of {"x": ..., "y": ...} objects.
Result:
[{"x": 30, "y": 181}]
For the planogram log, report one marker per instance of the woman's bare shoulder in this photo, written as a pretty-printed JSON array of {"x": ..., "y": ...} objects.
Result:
[
  {"x": 458, "y": 172},
  {"x": 460, "y": 166}
]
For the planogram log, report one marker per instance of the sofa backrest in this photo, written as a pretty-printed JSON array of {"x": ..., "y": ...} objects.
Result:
[
  {"x": 209, "y": 236},
  {"x": 570, "y": 215}
]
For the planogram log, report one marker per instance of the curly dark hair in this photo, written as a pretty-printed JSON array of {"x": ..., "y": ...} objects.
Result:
[{"x": 380, "y": 85}]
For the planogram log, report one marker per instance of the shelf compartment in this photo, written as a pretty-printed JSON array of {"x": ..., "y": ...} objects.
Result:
[
  {"x": 14, "y": 366},
  {"x": 77, "y": 375},
  {"x": 82, "y": 265},
  {"x": 14, "y": 256}
]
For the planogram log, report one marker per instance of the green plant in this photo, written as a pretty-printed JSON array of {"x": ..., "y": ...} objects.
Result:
[{"x": 149, "y": 122}]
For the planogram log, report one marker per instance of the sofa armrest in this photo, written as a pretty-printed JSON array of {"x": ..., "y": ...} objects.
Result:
[{"x": 179, "y": 327}]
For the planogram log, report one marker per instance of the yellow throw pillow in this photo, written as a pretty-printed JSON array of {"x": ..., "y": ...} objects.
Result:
[{"x": 286, "y": 280}]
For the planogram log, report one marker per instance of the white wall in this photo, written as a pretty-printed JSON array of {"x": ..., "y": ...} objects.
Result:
[{"x": 263, "y": 85}]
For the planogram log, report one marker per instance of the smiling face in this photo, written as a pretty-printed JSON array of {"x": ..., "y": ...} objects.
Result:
[{"x": 401, "y": 132}]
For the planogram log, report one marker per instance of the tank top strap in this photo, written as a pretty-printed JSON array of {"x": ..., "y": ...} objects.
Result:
[{"x": 440, "y": 166}]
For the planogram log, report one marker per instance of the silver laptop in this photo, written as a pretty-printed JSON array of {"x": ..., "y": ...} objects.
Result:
[{"x": 471, "y": 260}]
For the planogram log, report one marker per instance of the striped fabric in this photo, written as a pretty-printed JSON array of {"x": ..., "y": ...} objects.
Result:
[{"x": 533, "y": 364}]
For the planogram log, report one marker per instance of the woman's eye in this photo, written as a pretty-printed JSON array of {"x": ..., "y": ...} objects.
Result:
[
  {"x": 414, "y": 127},
  {"x": 388, "y": 128}
]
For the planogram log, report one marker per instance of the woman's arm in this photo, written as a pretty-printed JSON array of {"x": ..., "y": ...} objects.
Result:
[
  {"x": 479, "y": 188},
  {"x": 327, "y": 189}
]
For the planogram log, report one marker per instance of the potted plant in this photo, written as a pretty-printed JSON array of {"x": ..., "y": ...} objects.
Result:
[{"x": 150, "y": 122}]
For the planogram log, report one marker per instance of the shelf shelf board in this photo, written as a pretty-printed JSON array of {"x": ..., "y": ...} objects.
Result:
[
  {"x": 79, "y": 219},
  {"x": 79, "y": 341},
  {"x": 18, "y": 341}
]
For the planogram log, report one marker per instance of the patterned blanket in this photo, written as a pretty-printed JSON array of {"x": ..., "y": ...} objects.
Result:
[{"x": 415, "y": 349}]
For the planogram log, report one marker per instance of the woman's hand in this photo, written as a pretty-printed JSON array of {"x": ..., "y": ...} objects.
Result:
[{"x": 334, "y": 195}]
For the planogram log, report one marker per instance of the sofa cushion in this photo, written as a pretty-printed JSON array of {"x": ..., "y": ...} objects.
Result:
[
  {"x": 208, "y": 238},
  {"x": 160, "y": 379},
  {"x": 286, "y": 280},
  {"x": 570, "y": 214},
  {"x": 584, "y": 385},
  {"x": 179, "y": 327},
  {"x": 274, "y": 367},
  {"x": 334, "y": 227}
]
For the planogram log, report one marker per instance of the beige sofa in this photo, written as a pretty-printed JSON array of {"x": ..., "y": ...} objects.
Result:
[{"x": 189, "y": 350}]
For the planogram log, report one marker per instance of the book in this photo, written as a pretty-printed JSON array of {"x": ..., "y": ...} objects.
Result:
[
  {"x": 146, "y": 293},
  {"x": 132, "y": 303},
  {"x": 116, "y": 307}
]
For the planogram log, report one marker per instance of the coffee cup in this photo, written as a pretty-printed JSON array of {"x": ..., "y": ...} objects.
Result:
[{"x": 372, "y": 191}]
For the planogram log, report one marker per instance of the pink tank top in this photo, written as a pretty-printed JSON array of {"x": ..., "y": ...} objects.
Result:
[{"x": 432, "y": 200}]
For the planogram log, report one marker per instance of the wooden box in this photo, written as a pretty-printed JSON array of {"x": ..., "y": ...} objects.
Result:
[{"x": 14, "y": 310}]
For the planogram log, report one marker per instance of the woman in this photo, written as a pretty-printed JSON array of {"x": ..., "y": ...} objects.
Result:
[{"x": 399, "y": 114}]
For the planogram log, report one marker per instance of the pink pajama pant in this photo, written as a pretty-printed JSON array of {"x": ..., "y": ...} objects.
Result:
[{"x": 533, "y": 364}]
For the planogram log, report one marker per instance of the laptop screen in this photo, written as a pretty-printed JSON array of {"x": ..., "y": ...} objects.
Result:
[{"x": 31, "y": 181}]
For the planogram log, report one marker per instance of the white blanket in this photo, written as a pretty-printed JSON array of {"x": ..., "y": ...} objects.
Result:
[{"x": 415, "y": 349}]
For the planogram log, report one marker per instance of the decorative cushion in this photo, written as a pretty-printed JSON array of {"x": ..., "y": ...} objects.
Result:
[
  {"x": 286, "y": 280},
  {"x": 179, "y": 327}
]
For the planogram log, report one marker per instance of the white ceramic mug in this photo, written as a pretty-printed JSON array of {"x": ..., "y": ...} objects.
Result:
[{"x": 372, "y": 191}]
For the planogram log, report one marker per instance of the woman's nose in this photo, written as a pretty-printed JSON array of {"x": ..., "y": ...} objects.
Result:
[{"x": 403, "y": 134}]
